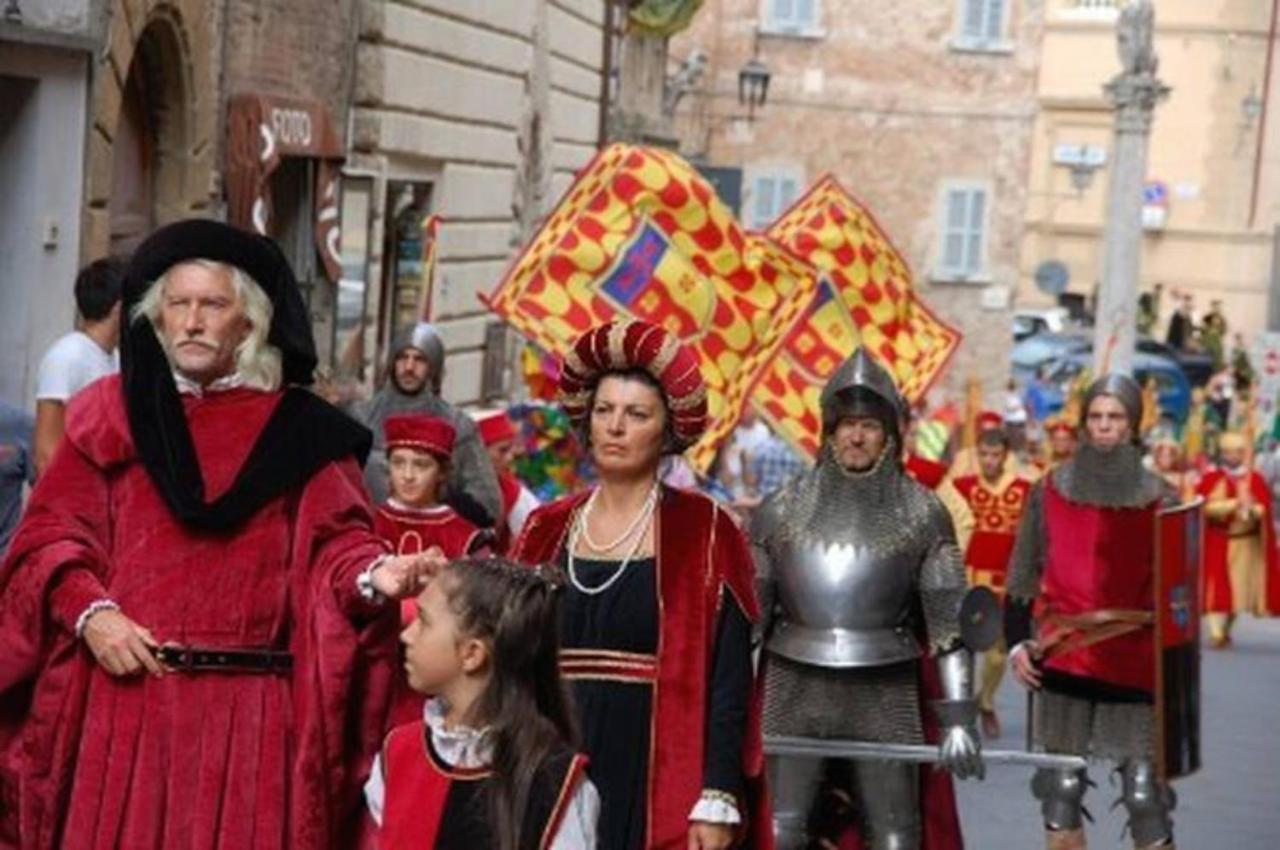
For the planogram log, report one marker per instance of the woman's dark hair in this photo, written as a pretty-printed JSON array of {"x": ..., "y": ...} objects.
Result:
[
  {"x": 515, "y": 610},
  {"x": 643, "y": 377}
]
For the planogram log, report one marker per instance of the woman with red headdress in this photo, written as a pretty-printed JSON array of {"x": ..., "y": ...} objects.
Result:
[{"x": 656, "y": 617}]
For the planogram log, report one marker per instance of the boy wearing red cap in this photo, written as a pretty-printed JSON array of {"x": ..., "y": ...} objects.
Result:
[
  {"x": 412, "y": 519},
  {"x": 498, "y": 433}
]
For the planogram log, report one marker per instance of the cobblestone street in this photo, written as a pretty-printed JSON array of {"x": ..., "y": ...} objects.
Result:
[{"x": 1233, "y": 803}]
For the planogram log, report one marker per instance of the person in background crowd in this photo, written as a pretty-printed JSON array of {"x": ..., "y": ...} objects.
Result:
[
  {"x": 1242, "y": 371},
  {"x": 498, "y": 433},
  {"x": 415, "y": 373},
  {"x": 1166, "y": 460},
  {"x": 1181, "y": 325},
  {"x": 748, "y": 439},
  {"x": 82, "y": 356},
  {"x": 489, "y": 761},
  {"x": 1039, "y": 393},
  {"x": 1218, "y": 403},
  {"x": 774, "y": 464},
  {"x": 656, "y": 616},
  {"x": 195, "y": 611},
  {"x": 1149, "y": 310},
  {"x": 997, "y": 496},
  {"x": 1213, "y": 334},
  {"x": 1242, "y": 566},
  {"x": 17, "y": 467}
]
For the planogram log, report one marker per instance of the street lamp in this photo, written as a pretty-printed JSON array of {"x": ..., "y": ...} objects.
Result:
[
  {"x": 753, "y": 85},
  {"x": 12, "y": 12}
]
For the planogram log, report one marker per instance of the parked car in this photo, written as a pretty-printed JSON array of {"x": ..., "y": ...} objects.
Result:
[
  {"x": 1029, "y": 322},
  {"x": 1029, "y": 354},
  {"x": 1172, "y": 386}
]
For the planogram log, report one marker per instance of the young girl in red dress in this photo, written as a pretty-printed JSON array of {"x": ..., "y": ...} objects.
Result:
[
  {"x": 490, "y": 762},
  {"x": 413, "y": 518}
]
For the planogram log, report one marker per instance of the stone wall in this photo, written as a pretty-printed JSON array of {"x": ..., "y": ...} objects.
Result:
[{"x": 494, "y": 104}]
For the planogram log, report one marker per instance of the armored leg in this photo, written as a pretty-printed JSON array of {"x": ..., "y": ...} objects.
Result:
[
  {"x": 792, "y": 783},
  {"x": 1061, "y": 796},
  {"x": 889, "y": 793},
  {"x": 1149, "y": 802}
]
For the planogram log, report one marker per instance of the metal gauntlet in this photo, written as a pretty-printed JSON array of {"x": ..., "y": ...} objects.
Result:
[{"x": 960, "y": 748}]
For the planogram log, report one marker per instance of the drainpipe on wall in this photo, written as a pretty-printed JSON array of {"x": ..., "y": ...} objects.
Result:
[
  {"x": 606, "y": 75},
  {"x": 1262, "y": 120}
]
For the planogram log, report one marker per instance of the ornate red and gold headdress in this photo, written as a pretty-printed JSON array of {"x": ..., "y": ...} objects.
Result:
[
  {"x": 431, "y": 434},
  {"x": 631, "y": 344}
]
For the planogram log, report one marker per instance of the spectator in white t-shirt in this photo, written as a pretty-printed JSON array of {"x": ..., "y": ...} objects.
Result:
[{"x": 82, "y": 356}]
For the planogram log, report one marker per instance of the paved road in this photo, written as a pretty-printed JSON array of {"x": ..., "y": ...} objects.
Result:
[{"x": 1233, "y": 803}]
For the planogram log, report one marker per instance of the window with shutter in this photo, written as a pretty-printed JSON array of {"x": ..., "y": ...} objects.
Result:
[
  {"x": 962, "y": 254},
  {"x": 772, "y": 192},
  {"x": 791, "y": 16},
  {"x": 981, "y": 23}
]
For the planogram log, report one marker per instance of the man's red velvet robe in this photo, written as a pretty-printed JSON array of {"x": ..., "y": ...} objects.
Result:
[
  {"x": 207, "y": 759},
  {"x": 701, "y": 555}
]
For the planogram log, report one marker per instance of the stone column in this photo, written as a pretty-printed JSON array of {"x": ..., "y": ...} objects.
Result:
[{"x": 1135, "y": 91}]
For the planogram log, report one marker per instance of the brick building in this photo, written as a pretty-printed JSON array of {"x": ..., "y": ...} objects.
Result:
[{"x": 924, "y": 109}]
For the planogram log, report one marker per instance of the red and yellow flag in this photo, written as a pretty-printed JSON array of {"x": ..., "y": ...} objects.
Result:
[
  {"x": 866, "y": 298},
  {"x": 641, "y": 234}
]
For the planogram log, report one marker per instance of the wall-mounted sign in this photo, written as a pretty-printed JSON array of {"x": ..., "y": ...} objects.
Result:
[{"x": 1093, "y": 156}]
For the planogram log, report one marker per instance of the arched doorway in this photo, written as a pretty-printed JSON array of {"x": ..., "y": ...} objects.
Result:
[{"x": 148, "y": 150}]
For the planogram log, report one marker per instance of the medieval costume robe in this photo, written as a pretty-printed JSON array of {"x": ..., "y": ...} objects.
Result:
[
  {"x": 409, "y": 531},
  {"x": 997, "y": 509},
  {"x": 1242, "y": 566},
  {"x": 661, "y": 671},
  {"x": 428, "y": 786},
  {"x": 190, "y": 759}
]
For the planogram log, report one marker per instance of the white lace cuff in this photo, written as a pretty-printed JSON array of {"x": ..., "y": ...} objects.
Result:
[
  {"x": 91, "y": 609},
  {"x": 716, "y": 807},
  {"x": 364, "y": 581}
]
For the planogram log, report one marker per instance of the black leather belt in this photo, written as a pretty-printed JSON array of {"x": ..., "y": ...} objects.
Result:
[{"x": 192, "y": 659}]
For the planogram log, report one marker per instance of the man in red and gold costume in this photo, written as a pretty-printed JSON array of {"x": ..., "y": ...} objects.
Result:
[
  {"x": 498, "y": 433},
  {"x": 1242, "y": 568},
  {"x": 1083, "y": 571},
  {"x": 196, "y": 644},
  {"x": 996, "y": 497},
  {"x": 1060, "y": 435}
]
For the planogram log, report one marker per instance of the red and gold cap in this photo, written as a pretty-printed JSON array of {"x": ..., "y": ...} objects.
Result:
[
  {"x": 989, "y": 420},
  {"x": 632, "y": 344},
  {"x": 432, "y": 434}
]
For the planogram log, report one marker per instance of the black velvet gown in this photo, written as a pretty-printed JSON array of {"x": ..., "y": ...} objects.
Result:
[{"x": 615, "y": 712}]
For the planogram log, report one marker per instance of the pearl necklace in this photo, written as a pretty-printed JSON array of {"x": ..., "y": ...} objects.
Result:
[{"x": 580, "y": 531}]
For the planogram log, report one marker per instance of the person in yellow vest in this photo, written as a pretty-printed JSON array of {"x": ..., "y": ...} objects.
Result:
[{"x": 996, "y": 496}]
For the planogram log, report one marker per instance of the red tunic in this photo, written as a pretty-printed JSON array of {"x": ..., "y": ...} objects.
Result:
[
  {"x": 1099, "y": 558},
  {"x": 701, "y": 554},
  {"x": 1217, "y": 576},
  {"x": 996, "y": 513},
  {"x": 431, "y": 804},
  {"x": 409, "y": 531},
  {"x": 188, "y": 760},
  {"x": 930, "y": 473}
]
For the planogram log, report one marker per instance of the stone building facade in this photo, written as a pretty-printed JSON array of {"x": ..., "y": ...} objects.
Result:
[
  {"x": 1211, "y": 183},
  {"x": 923, "y": 109},
  {"x": 479, "y": 113},
  {"x": 304, "y": 120}
]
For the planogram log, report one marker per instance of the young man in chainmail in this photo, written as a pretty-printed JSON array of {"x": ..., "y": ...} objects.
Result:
[
  {"x": 847, "y": 554},
  {"x": 1085, "y": 557}
]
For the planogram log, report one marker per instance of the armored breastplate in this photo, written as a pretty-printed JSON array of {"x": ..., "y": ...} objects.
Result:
[{"x": 844, "y": 604}]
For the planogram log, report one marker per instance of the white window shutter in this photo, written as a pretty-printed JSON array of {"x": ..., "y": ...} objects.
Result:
[
  {"x": 953, "y": 243},
  {"x": 805, "y": 17},
  {"x": 976, "y": 226},
  {"x": 765, "y": 201},
  {"x": 994, "y": 28},
  {"x": 973, "y": 18},
  {"x": 785, "y": 196},
  {"x": 783, "y": 12}
]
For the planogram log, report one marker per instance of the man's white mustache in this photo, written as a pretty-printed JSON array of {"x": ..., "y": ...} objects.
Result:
[{"x": 198, "y": 343}]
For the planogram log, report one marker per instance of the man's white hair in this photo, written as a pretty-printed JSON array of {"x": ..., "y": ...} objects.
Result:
[{"x": 259, "y": 364}]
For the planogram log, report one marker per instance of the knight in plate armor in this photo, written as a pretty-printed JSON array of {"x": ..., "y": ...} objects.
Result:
[{"x": 861, "y": 580}]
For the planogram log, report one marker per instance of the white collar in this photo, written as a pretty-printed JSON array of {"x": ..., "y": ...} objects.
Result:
[
  {"x": 410, "y": 509},
  {"x": 186, "y": 386},
  {"x": 460, "y": 746}
]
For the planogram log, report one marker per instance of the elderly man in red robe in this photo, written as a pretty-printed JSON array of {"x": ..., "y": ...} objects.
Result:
[
  {"x": 196, "y": 640},
  {"x": 1242, "y": 567}
]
